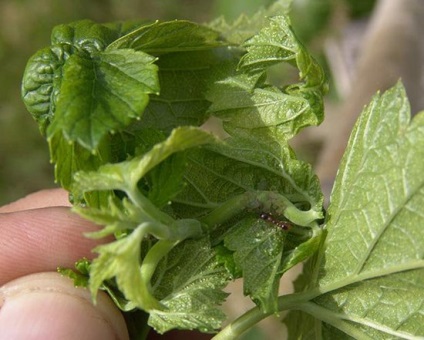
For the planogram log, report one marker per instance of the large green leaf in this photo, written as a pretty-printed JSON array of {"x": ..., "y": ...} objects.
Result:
[
  {"x": 43, "y": 74},
  {"x": 102, "y": 94},
  {"x": 370, "y": 272}
]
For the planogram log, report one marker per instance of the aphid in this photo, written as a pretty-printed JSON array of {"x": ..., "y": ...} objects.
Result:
[{"x": 282, "y": 224}]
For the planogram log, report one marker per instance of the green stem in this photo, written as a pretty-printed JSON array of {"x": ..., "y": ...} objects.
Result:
[
  {"x": 228, "y": 209},
  {"x": 147, "y": 269},
  {"x": 235, "y": 329},
  {"x": 265, "y": 200},
  {"x": 148, "y": 207},
  {"x": 159, "y": 250}
]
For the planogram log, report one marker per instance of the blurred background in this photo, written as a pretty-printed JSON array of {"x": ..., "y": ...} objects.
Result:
[{"x": 25, "y": 27}]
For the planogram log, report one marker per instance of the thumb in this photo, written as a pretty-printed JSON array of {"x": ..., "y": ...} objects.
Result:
[{"x": 47, "y": 306}]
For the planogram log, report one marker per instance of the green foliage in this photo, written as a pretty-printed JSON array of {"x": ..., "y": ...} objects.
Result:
[
  {"x": 122, "y": 106},
  {"x": 373, "y": 253},
  {"x": 366, "y": 280},
  {"x": 369, "y": 272}
]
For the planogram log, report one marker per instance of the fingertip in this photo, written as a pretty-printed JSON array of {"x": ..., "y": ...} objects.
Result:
[{"x": 48, "y": 306}]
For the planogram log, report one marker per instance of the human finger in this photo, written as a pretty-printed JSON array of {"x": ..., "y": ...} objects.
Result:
[
  {"x": 42, "y": 239},
  {"x": 39, "y": 199},
  {"x": 47, "y": 306}
]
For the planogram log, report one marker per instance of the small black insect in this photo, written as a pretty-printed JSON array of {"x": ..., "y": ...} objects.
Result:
[{"x": 282, "y": 224}]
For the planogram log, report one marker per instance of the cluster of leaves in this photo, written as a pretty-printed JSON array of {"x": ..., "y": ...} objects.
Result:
[{"x": 123, "y": 107}]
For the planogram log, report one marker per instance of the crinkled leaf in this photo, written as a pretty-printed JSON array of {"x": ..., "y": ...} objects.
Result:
[
  {"x": 84, "y": 36},
  {"x": 252, "y": 108},
  {"x": 117, "y": 217},
  {"x": 371, "y": 270},
  {"x": 189, "y": 284},
  {"x": 189, "y": 56},
  {"x": 41, "y": 83},
  {"x": 258, "y": 248},
  {"x": 103, "y": 94}
]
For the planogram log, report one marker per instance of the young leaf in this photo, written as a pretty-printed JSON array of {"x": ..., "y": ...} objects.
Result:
[
  {"x": 121, "y": 260},
  {"x": 189, "y": 284},
  {"x": 258, "y": 248},
  {"x": 251, "y": 108},
  {"x": 41, "y": 83},
  {"x": 84, "y": 36},
  {"x": 189, "y": 56},
  {"x": 370, "y": 273}
]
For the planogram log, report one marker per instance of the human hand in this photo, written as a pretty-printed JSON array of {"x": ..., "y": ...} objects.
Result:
[{"x": 38, "y": 233}]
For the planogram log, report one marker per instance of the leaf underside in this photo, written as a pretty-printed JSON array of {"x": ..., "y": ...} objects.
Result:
[{"x": 370, "y": 272}]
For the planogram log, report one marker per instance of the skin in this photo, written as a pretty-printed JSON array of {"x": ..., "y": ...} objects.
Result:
[{"x": 35, "y": 301}]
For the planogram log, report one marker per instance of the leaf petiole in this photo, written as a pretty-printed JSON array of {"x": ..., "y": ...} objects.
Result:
[
  {"x": 266, "y": 201},
  {"x": 246, "y": 321}
]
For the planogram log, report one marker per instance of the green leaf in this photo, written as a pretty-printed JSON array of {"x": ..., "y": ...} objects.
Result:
[
  {"x": 170, "y": 36},
  {"x": 80, "y": 275},
  {"x": 258, "y": 248},
  {"x": 221, "y": 172},
  {"x": 117, "y": 217},
  {"x": 244, "y": 27},
  {"x": 189, "y": 284},
  {"x": 102, "y": 94},
  {"x": 70, "y": 158},
  {"x": 43, "y": 74},
  {"x": 185, "y": 78},
  {"x": 121, "y": 259},
  {"x": 370, "y": 272},
  {"x": 165, "y": 180},
  {"x": 41, "y": 83},
  {"x": 84, "y": 36},
  {"x": 250, "y": 107},
  {"x": 303, "y": 251},
  {"x": 126, "y": 175}
]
